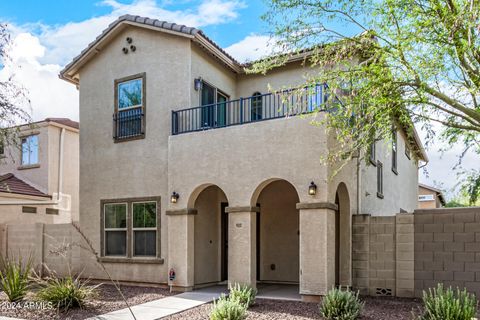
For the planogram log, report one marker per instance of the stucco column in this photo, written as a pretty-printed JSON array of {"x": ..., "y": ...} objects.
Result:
[
  {"x": 317, "y": 247},
  {"x": 181, "y": 247},
  {"x": 242, "y": 258}
]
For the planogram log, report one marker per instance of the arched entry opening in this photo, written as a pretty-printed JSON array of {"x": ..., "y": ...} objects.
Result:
[
  {"x": 342, "y": 237},
  {"x": 210, "y": 236},
  {"x": 277, "y": 232}
]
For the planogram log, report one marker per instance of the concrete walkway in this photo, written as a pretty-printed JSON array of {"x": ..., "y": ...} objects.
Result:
[
  {"x": 279, "y": 292},
  {"x": 160, "y": 308}
]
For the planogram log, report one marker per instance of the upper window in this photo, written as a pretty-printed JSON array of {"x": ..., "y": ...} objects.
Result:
[
  {"x": 130, "y": 94},
  {"x": 30, "y": 150},
  {"x": 407, "y": 150},
  {"x": 379, "y": 180},
  {"x": 394, "y": 150},
  {"x": 213, "y": 107},
  {"x": 257, "y": 106},
  {"x": 129, "y": 122},
  {"x": 372, "y": 153}
]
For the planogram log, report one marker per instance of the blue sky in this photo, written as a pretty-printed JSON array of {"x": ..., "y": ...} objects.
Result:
[
  {"x": 48, "y": 34},
  {"x": 62, "y": 12}
]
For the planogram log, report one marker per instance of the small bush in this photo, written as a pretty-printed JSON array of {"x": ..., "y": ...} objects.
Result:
[
  {"x": 341, "y": 305},
  {"x": 227, "y": 309},
  {"x": 243, "y": 294},
  {"x": 14, "y": 277},
  {"x": 441, "y": 304},
  {"x": 66, "y": 293}
]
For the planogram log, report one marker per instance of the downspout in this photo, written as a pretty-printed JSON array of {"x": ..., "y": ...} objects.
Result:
[
  {"x": 60, "y": 165},
  {"x": 58, "y": 197},
  {"x": 358, "y": 184}
]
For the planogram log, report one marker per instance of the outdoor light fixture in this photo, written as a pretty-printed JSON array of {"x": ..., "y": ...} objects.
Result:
[
  {"x": 174, "y": 197},
  {"x": 312, "y": 189},
  {"x": 197, "y": 83}
]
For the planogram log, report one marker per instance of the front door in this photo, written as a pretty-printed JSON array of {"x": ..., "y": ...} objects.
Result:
[{"x": 224, "y": 222}]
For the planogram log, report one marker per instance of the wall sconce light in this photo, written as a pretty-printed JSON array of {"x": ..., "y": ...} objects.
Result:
[
  {"x": 174, "y": 197},
  {"x": 312, "y": 189},
  {"x": 197, "y": 84}
]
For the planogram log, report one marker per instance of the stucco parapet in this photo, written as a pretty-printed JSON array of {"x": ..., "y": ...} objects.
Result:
[
  {"x": 242, "y": 209},
  {"x": 181, "y": 212},
  {"x": 317, "y": 205}
]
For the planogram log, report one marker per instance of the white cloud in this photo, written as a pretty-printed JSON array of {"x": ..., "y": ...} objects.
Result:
[
  {"x": 40, "y": 50},
  {"x": 440, "y": 171},
  {"x": 250, "y": 48}
]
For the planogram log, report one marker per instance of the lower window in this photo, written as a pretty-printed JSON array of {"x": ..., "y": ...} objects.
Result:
[
  {"x": 145, "y": 229},
  {"x": 131, "y": 227}
]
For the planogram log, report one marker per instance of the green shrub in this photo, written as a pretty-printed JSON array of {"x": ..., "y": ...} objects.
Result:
[
  {"x": 66, "y": 293},
  {"x": 227, "y": 309},
  {"x": 243, "y": 294},
  {"x": 441, "y": 304},
  {"x": 14, "y": 277},
  {"x": 341, "y": 305}
]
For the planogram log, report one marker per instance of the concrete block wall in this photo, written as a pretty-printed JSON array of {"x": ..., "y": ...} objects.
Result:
[
  {"x": 382, "y": 255},
  {"x": 447, "y": 248},
  {"x": 361, "y": 252},
  {"x": 51, "y": 247}
]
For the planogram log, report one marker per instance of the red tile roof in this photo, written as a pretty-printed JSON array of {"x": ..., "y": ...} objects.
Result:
[{"x": 11, "y": 184}]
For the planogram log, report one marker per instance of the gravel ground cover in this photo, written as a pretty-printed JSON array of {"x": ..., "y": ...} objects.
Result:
[
  {"x": 375, "y": 309},
  {"x": 108, "y": 300}
]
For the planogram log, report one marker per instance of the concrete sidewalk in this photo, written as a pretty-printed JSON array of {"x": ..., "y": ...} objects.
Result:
[{"x": 160, "y": 308}]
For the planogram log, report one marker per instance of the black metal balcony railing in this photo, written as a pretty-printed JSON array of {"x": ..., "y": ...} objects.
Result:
[
  {"x": 250, "y": 109},
  {"x": 128, "y": 124}
]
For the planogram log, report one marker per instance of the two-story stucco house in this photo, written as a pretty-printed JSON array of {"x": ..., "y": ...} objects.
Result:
[
  {"x": 39, "y": 173},
  {"x": 189, "y": 164}
]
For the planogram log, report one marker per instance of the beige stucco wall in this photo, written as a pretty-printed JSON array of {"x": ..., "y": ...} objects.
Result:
[
  {"x": 211, "y": 71},
  {"x": 400, "y": 191},
  {"x": 135, "y": 168}
]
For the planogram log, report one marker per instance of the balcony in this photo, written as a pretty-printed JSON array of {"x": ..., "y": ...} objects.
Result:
[{"x": 256, "y": 108}]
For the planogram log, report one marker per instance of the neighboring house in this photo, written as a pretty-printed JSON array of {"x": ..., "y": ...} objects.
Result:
[
  {"x": 430, "y": 197},
  {"x": 231, "y": 190},
  {"x": 39, "y": 173}
]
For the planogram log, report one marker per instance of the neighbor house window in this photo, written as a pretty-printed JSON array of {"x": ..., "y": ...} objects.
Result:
[
  {"x": 30, "y": 150},
  {"x": 379, "y": 179},
  {"x": 394, "y": 150},
  {"x": 115, "y": 220},
  {"x": 257, "y": 106},
  {"x": 145, "y": 229},
  {"x": 131, "y": 228},
  {"x": 129, "y": 107}
]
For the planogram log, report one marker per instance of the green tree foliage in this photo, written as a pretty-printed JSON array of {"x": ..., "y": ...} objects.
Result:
[
  {"x": 410, "y": 60},
  {"x": 14, "y": 103}
]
